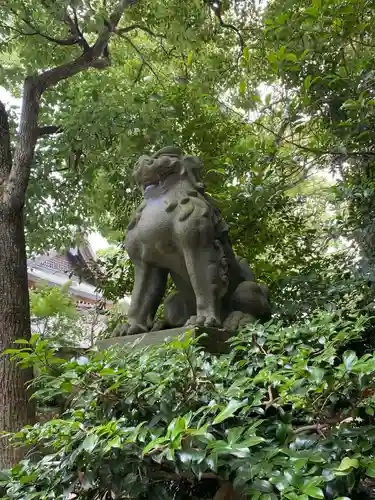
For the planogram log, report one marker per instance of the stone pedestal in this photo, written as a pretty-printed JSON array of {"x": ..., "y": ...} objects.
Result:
[{"x": 215, "y": 340}]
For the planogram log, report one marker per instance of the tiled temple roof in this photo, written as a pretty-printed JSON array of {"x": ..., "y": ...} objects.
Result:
[{"x": 56, "y": 268}]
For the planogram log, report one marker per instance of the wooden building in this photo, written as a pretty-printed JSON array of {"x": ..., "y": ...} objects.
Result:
[{"x": 56, "y": 268}]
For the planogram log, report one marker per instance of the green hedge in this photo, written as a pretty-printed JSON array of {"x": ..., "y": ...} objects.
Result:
[{"x": 288, "y": 413}]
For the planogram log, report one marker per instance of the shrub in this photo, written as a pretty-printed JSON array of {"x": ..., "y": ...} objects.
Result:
[
  {"x": 55, "y": 317},
  {"x": 288, "y": 413}
]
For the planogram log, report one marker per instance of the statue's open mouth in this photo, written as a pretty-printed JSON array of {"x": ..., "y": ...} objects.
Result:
[{"x": 148, "y": 185}]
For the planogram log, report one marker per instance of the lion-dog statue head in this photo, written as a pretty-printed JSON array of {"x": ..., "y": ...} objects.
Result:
[{"x": 154, "y": 169}]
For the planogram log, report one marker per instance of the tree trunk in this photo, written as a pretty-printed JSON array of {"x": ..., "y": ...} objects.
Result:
[{"x": 16, "y": 409}]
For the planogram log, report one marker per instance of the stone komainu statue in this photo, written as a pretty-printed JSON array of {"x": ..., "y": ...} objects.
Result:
[{"x": 177, "y": 230}]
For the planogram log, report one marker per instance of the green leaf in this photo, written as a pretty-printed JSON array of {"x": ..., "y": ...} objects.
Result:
[
  {"x": 350, "y": 104},
  {"x": 34, "y": 338},
  {"x": 370, "y": 471},
  {"x": 291, "y": 495},
  {"x": 90, "y": 442},
  {"x": 312, "y": 11},
  {"x": 9, "y": 351},
  {"x": 242, "y": 87},
  {"x": 188, "y": 456},
  {"x": 291, "y": 57},
  {"x": 56, "y": 361},
  {"x": 313, "y": 491},
  {"x": 307, "y": 82},
  {"x": 228, "y": 411},
  {"x": 280, "y": 482},
  {"x": 212, "y": 461},
  {"x": 262, "y": 485},
  {"x": 317, "y": 374},
  {"x": 348, "y": 464},
  {"x": 300, "y": 463},
  {"x": 239, "y": 452},
  {"x": 115, "y": 443},
  {"x": 253, "y": 441},
  {"x": 107, "y": 371},
  {"x": 190, "y": 58},
  {"x": 155, "y": 444},
  {"x": 272, "y": 57},
  {"x": 269, "y": 496},
  {"x": 177, "y": 426},
  {"x": 153, "y": 377},
  {"x": 234, "y": 434},
  {"x": 66, "y": 387}
]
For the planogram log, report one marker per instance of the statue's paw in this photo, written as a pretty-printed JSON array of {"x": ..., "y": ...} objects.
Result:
[
  {"x": 237, "y": 320},
  {"x": 209, "y": 321},
  {"x": 120, "y": 330},
  {"x": 137, "y": 328},
  {"x": 192, "y": 321},
  {"x": 158, "y": 325}
]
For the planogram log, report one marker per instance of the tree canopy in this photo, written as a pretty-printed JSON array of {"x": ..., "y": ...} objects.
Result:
[
  {"x": 151, "y": 95},
  {"x": 274, "y": 119}
]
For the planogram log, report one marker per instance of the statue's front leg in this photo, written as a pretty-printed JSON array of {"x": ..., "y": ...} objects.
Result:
[
  {"x": 148, "y": 291},
  {"x": 204, "y": 272}
]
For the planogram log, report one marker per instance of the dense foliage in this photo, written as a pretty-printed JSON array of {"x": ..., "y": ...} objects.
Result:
[
  {"x": 287, "y": 414},
  {"x": 152, "y": 95},
  {"x": 322, "y": 54},
  {"x": 114, "y": 274},
  {"x": 273, "y": 112},
  {"x": 54, "y": 316}
]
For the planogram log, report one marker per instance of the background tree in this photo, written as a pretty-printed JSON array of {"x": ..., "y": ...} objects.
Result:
[
  {"x": 50, "y": 43},
  {"x": 321, "y": 57}
]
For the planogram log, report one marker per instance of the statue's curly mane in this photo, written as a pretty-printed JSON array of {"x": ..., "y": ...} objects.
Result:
[{"x": 165, "y": 162}]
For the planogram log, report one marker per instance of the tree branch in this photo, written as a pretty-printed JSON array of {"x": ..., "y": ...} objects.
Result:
[
  {"x": 49, "y": 129},
  {"x": 74, "y": 29},
  {"x": 347, "y": 154},
  {"x": 20, "y": 172},
  {"x": 92, "y": 58},
  {"x": 5, "y": 152},
  {"x": 139, "y": 73},
  {"x": 16, "y": 30},
  {"x": 143, "y": 60},
  {"x": 215, "y": 6},
  {"x": 314, "y": 428},
  {"x": 63, "y": 41},
  {"x": 133, "y": 27},
  {"x": 34, "y": 87},
  {"x": 314, "y": 150}
]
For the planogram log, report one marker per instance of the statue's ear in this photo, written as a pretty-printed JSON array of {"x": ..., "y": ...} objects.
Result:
[
  {"x": 139, "y": 166},
  {"x": 191, "y": 164}
]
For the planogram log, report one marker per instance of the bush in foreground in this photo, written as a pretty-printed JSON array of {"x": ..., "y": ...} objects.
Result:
[{"x": 287, "y": 414}]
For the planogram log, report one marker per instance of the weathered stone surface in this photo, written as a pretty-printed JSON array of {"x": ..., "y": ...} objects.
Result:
[
  {"x": 215, "y": 340},
  {"x": 178, "y": 231}
]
